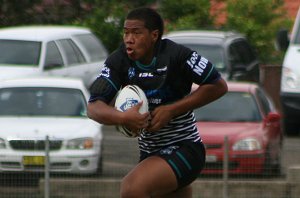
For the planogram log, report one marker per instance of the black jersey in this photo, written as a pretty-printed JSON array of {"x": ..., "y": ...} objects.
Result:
[{"x": 167, "y": 79}]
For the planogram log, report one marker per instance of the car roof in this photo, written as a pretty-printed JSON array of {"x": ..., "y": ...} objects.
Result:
[
  {"x": 41, "y": 33},
  {"x": 242, "y": 86},
  {"x": 206, "y": 36},
  {"x": 72, "y": 83},
  {"x": 234, "y": 86}
]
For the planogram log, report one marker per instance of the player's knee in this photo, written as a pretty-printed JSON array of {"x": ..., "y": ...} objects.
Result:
[{"x": 130, "y": 190}]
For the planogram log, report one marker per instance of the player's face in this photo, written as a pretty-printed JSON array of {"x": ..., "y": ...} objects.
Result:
[{"x": 139, "y": 41}]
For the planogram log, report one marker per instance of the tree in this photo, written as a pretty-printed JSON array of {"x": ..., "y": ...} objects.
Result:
[
  {"x": 186, "y": 14},
  {"x": 15, "y": 12},
  {"x": 259, "y": 20}
]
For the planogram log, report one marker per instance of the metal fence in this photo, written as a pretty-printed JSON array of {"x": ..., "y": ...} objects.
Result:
[{"x": 121, "y": 154}]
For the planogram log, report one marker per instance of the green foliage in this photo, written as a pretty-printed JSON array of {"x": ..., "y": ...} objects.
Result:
[
  {"x": 186, "y": 14},
  {"x": 15, "y": 12},
  {"x": 106, "y": 21},
  {"x": 259, "y": 20}
]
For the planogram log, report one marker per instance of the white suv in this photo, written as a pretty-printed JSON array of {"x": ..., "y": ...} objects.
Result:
[{"x": 50, "y": 50}]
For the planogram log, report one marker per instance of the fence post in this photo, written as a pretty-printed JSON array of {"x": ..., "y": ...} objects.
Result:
[
  {"x": 47, "y": 168},
  {"x": 225, "y": 167}
]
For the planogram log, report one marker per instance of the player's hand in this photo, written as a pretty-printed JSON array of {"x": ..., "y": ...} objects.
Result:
[
  {"x": 135, "y": 120},
  {"x": 160, "y": 117}
]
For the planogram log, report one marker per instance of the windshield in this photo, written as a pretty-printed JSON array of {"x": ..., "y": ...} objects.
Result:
[
  {"x": 42, "y": 102},
  {"x": 232, "y": 107},
  {"x": 19, "y": 52},
  {"x": 297, "y": 36},
  {"x": 213, "y": 53}
]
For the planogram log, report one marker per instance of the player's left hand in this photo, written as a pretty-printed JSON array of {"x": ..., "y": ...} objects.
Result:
[{"x": 160, "y": 116}]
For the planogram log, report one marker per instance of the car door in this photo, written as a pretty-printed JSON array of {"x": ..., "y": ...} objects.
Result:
[{"x": 64, "y": 58}]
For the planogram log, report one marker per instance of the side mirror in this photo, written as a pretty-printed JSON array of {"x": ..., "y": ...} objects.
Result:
[{"x": 282, "y": 39}]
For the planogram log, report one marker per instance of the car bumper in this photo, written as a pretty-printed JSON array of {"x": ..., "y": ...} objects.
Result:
[
  {"x": 62, "y": 162},
  {"x": 290, "y": 103},
  {"x": 238, "y": 163}
]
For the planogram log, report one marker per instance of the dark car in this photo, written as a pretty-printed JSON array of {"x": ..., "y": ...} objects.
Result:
[{"x": 230, "y": 52}]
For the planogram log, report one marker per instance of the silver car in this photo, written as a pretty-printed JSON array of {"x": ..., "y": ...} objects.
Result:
[{"x": 51, "y": 51}]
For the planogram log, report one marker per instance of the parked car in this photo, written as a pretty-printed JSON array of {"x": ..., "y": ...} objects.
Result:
[
  {"x": 290, "y": 77},
  {"x": 32, "y": 109},
  {"x": 230, "y": 52},
  {"x": 247, "y": 116},
  {"x": 51, "y": 50}
]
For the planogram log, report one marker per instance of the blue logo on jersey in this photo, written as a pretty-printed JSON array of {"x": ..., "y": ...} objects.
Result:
[
  {"x": 131, "y": 72},
  {"x": 130, "y": 102}
]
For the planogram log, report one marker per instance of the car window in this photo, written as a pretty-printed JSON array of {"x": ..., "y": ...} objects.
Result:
[
  {"x": 264, "y": 101},
  {"x": 241, "y": 53},
  {"x": 42, "y": 102},
  {"x": 53, "y": 56},
  {"x": 232, "y": 107},
  {"x": 72, "y": 52},
  {"x": 93, "y": 46},
  {"x": 213, "y": 53},
  {"x": 20, "y": 52}
]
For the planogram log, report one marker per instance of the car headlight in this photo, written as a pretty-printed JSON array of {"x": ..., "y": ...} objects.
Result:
[
  {"x": 248, "y": 144},
  {"x": 290, "y": 81},
  {"x": 80, "y": 143},
  {"x": 2, "y": 143}
]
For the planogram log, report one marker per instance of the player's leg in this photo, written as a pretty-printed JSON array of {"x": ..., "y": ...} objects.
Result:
[
  {"x": 169, "y": 172},
  {"x": 153, "y": 176}
]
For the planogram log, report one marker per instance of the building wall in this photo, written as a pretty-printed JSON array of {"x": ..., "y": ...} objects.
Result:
[
  {"x": 292, "y": 7},
  {"x": 218, "y": 7}
]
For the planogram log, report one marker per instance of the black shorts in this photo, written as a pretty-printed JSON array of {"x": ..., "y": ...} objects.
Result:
[{"x": 186, "y": 158}]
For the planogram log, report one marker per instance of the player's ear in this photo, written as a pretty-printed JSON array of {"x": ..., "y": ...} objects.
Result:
[{"x": 155, "y": 34}]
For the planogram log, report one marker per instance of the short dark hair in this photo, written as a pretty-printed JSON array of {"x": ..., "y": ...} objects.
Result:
[{"x": 151, "y": 18}]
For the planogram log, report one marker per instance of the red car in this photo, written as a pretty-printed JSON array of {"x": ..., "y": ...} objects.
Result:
[{"x": 248, "y": 118}]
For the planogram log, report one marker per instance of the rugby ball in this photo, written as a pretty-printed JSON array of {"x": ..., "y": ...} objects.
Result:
[{"x": 128, "y": 97}]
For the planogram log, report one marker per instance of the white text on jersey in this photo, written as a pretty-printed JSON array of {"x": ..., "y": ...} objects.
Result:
[{"x": 197, "y": 68}]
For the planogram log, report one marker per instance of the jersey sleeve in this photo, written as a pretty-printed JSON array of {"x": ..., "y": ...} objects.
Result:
[
  {"x": 108, "y": 82},
  {"x": 200, "y": 70}
]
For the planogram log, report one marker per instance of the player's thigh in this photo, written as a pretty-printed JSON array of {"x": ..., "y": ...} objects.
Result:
[{"x": 152, "y": 175}]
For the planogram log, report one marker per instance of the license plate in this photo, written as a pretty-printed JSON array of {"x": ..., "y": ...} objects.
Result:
[
  {"x": 33, "y": 160},
  {"x": 211, "y": 158}
]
